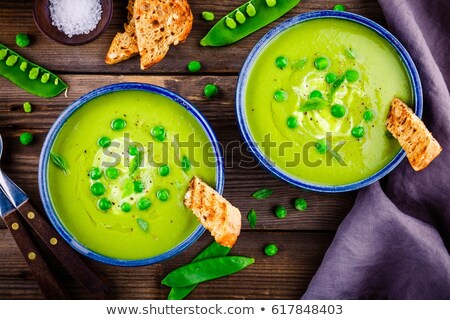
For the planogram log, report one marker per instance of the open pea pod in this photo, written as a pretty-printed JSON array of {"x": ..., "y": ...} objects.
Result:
[
  {"x": 246, "y": 19},
  {"x": 29, "y": 76}
]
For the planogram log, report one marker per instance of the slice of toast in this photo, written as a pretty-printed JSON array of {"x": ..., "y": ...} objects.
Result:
[
  {"x": 420, "y": 146},
  {"x": 124, "y": 44},
  {"x": 159, "y": 24},
  {"x": 214, "y": 212}
]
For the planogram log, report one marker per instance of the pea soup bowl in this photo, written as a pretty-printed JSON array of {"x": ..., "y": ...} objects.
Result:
[
  {"x": 114, "y": 168},
  {"x": 313, "y": 96}
]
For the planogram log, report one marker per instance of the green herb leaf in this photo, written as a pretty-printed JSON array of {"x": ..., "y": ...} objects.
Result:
[
  {"x": 60, "y": 162},
  {"x": 335, "y": 86},
  {"x": 297, "y": 65},
  {"x": 135, "y": 164},
  {"x": 349, "y": 53},
  {"x": 262, "y": 194},
  {"x": 313, "y": 104},
  {"x": 143, "y": 224},
  {"x": 128, "y": 188},
  {"x": 251, "y": 216}
]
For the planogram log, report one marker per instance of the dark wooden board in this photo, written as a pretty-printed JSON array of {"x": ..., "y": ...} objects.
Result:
[{"x": 303, "y": 237}]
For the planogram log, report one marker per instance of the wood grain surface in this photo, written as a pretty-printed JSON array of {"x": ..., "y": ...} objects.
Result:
[{"x": 302, "y": 237}]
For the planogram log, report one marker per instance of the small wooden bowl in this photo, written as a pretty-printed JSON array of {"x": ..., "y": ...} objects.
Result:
[{"x": 43, "y": 21}]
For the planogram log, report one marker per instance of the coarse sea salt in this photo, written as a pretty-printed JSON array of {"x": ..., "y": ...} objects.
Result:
[{"x": 75, "y": 17}]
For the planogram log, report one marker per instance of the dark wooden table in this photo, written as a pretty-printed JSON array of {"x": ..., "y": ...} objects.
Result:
[{"x": 302, "y": 238}]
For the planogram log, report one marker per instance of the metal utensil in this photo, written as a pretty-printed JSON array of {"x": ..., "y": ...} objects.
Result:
[{"x": 19, "y": 215}]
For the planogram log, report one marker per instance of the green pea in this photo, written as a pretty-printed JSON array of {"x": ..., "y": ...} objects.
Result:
[
  {"x": 271, "y": 3},
  {"x": 358, "y": 132},
  {"x": 338, "y": 110},
  {"x": 315, "y": 94},
  {"x": 104, "y": 204},
  {"x": 27, "y": 107},
  {"x": 194, "y": 66},
  {"x": 280, "y": 95},
  {"x": 292, "y": 122},
  {"x": 210, "y": 90},
  {"x": 56, "y": 82},
  {"x": 33, "y": 74},
  {"x": 339, "y": 7},
  {"x": 112, "y": 173},
  {"x": 321, "y": 63},
  {"x": 23, "y": 66},
  {"x": 300, "y": 204},
  {"x": 331, "y": 77},
  {"x": 3, "y": 54},
  {"x": 321, "y": 146},
  {"x": 144, "y": 203},
  {"x": 351, "y": 75},
  {"x": 281, "y": 62},
  {"x": 26, "y": 138},
  {"x": 368, "y": 115},
  {"x": 95, "y": 173},
  {"x": 251, "y": 10},
  {"x": 22, "y": 40},
  {"x": 118, "y": 124},
  {"x": 185, "y": 164},
  {"x": 104, "y": 142},
  {"x": 98, "y": 189},
  {"x": 239, "y": 16},
  {"x": 158, "y": 133},
  {"x": 45, "y": 77},
  {"x": 163, "y": 194},
  {"x": 230, "y": 23},
  {"x": 164, "y": 170},
  {"x": 132, "y": 151},
  {"x": 138, "y": 186},
  {"x": 11, "y": 60},
  {"x": 270, "y": 250},
  {"x": 280, "y": 212},
  {"x": 207, "y": 16},
  {"x": 126, "y": 207}
]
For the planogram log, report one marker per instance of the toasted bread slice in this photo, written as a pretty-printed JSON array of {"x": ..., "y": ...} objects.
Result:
[
  {"x": 420, "y": 146},
  {"x": 159, "y": 24},
  {"x": 214, "y": 212},
  {"x": 124, "y": 44}
]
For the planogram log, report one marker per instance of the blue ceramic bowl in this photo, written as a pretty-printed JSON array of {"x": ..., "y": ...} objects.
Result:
[
  {"x": 260, "y": 46},
  {"x": 44, "y": 161}
]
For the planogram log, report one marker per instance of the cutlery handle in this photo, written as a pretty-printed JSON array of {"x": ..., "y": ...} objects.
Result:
[
  {"x": 51, "y": 287},
  {"x": 67, "y": 256}
]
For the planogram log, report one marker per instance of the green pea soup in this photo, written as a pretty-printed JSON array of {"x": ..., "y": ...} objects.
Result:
[
  {"x": 321, "y": 116},
  {"x": 125, "y": 200}
]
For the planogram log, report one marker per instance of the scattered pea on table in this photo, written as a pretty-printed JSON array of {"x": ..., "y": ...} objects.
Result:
[
  {"x": 339, "y": 7},
  {"x": 26, "y": 138},
  {"x": 280, "y": 211},
  {"x": 22, "y": 40},
  {"x": 300, "y": 204},
  {"x": 210, "y": 90},
  {"x": 207, "y": 16},
  {"x": 27, "y": 107},
  {"x": 270, "y": 250},
  {"x": 194, "y": 66}
]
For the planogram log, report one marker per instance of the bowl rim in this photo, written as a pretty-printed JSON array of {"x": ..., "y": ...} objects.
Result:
[
  {"x": 260, "y": 46},
  {"x": 44, "y": 162},
  {"x": 79, "y": 43}
]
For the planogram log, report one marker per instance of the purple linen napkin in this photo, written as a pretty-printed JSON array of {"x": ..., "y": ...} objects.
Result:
[{"x": 395, "y": 242}]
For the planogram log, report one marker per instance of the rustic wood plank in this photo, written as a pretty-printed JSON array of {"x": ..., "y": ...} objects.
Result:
[
  {"x": 284, "y": 276},
  {"x": 16, "y": 16},
  {"x": 325, "y": 211}
]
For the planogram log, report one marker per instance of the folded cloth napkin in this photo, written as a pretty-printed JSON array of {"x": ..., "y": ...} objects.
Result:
[{"x": 395, "y": 242}]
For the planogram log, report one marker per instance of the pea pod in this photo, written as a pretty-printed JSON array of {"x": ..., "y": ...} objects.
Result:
[
  {"x": 251, "y": 16},
  {"x": 205, "y": 270},
  {"x": 214, "y": 250},
  {"x": 29, "y": 76}
]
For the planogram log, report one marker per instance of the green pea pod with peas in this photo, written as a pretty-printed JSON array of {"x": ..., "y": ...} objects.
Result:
[
  {"x": 246, "y": 19},
  {"x": 29, "y": 76},
  {"x": 214, "y": 250},
  {"x": 205, "y": 270}
]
